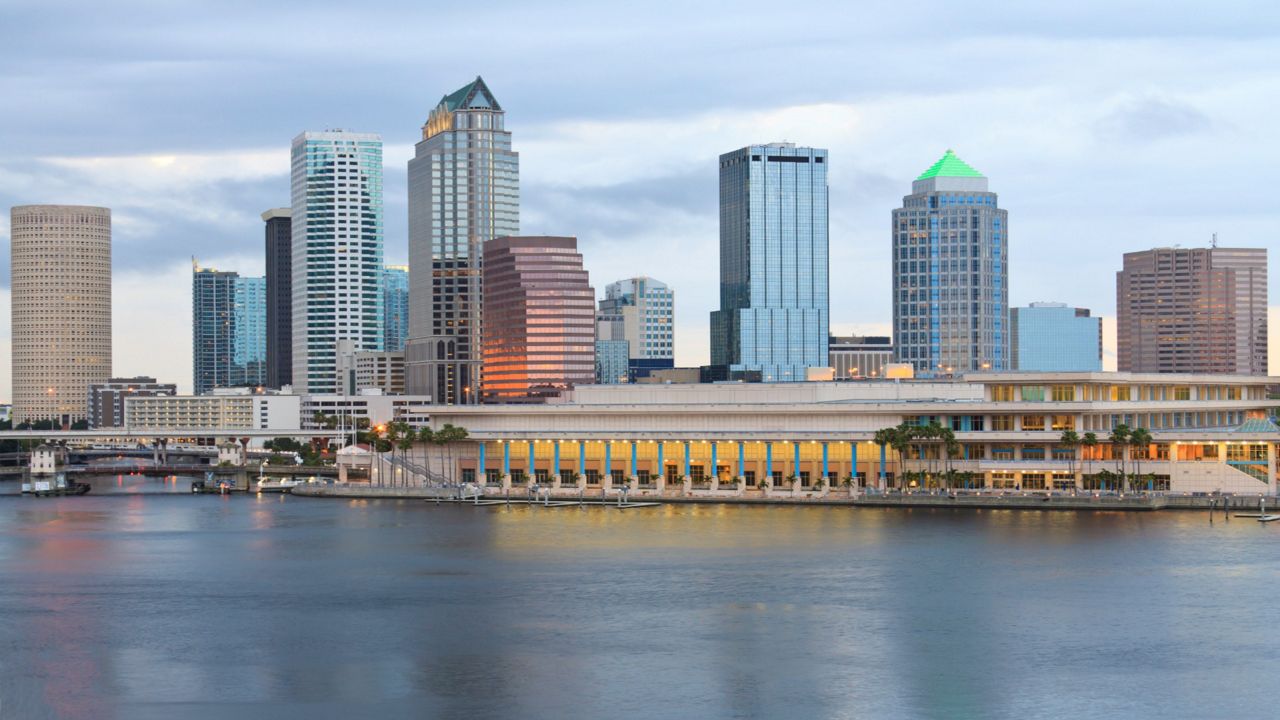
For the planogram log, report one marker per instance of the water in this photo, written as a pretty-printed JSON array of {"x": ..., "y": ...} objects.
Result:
[{"x": 157, "y": 604}]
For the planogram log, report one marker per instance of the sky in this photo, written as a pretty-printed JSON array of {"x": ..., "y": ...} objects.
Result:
[{"x": 1104, "y": 127}]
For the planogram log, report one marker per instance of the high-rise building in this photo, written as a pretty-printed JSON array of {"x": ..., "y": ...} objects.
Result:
[
  {"x": 395, "y": 307},
  {"x": 60, "y": 279},
  {"x": 213, "y": 307},
  {"x": 951, "y": 273},
  {"x": 249, "y": 325},
  {"x": 337, "y": 252},
  {"x": 641, "y": 312},
  {"x": 463, "y": 190},
  {"x": 1193, "y": 310},
  {"x": 279, "y": 225},
  {"x": 773, "y": 316},
  {"x": 106, "y": 400},
  {"x": 859, "y": 356},
  {"x": 539, "y": 311},
  {"x": 1051, "y": 337}
]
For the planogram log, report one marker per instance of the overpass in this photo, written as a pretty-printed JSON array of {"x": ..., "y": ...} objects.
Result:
[{"x": 133, "y": 435}]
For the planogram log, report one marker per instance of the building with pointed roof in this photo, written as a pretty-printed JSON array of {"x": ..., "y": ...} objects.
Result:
[
  {"x": 951, "y": 273},
  {"x": 463, "y": 190}
]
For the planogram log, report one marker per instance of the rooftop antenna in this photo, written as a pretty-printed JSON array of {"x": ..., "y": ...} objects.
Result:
[{"x": 1214, "y": 243}]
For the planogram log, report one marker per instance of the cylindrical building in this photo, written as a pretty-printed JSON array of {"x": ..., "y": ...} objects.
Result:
[{"x": 61, "y": 284}]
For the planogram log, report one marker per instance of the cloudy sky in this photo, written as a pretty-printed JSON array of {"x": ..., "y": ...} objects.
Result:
[{"x": 1104, "y": 126}]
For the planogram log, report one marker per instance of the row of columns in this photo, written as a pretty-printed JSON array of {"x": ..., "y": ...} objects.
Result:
[{"x": 687, "y": 458}]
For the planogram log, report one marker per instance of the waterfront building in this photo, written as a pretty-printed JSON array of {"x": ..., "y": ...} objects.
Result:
[
  {"x": 1051, "y": 337},
  {"x": 223, "y": 409},
  {"x": 613, "y": 357},
  {"x": 463, "y": 191},
  {"x": 951, "y": 273},
  {"x": 641, "y": 312},
  {"x": 106, "y": 400},
  {"x": 1209, "y": 433},
  {"x": 279, "y": 253},
  {"x": 366, "y": 409},
  {"x": 395, "y": 307},
  {"x": 859, "y": 356},
  {"x": 1200, "y": 310},
  {"x": 773, "y": 316},
  {"x": 337, "y": 251},
  {"x": 60, "y": 280},
  {"x": 539, "y": 309}
]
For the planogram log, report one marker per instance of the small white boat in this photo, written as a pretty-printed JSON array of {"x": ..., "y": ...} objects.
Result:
[{"x": 278, "y": 484}]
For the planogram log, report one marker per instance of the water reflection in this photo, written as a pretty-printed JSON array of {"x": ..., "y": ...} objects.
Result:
[{"x": 167, "y": 606}]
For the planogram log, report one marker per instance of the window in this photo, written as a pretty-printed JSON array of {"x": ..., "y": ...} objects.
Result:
[
  {"x": 1033, "y": 422},
  {"x": 1002, "y": 393},
  {"x": 1064, "y": 422},
  {"x": 1033, "y": 481},
  {"x": 1182, "y": 393},
  {"x": 1035, "y": 454},
  {"x": 1001, "y": 422},
  {"x": 1001, "y": 453},
  {"x": 1064, "y": 393},
  {"x": 1119, "y": 393},
  {"x": 1033, "y": 393}
]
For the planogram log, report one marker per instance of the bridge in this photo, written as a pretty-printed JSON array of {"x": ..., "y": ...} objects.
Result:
[{"x": 133, "y": 434}]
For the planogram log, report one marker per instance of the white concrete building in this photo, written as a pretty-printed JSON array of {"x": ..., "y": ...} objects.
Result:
[
  {"x": 377, "y": 408},
  {"x": 1208, "y": 433},
  {"x": 233, "y": 409}
]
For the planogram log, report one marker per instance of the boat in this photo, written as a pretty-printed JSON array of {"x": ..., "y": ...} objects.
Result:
[
  {"x": 277, "y": 484},
  {"x": 53, "y": 487}
]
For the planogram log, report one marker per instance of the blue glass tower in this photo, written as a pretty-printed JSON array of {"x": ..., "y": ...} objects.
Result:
[
  {"x": 951, "y": 273},
  {"x": 212, "y": 328},
  {"x": 249, "y": 326},
  {"x": 773, "y": 316},
  {"x": 1051, "y": 337},
  {"x": 395, "y": 306}
]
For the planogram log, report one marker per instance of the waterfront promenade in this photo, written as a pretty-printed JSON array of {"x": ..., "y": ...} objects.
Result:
[{"x": 1007, "y": 500}]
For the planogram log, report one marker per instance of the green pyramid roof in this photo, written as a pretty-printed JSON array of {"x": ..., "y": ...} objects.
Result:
[
  {"x": 949, "y": 166},
  {"x": 1257, "y": 425},
  {"x": 454, "y": 100}
]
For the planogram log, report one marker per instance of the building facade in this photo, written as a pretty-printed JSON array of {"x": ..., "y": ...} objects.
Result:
[
  {"x": 859, "y": 356},
  {"x": 1209, "y": 434},
  {"x": 1201, "y": 310},
  {"x": 951, "y": 273},
  {"x": 336, "y": 181},
  {"x": 249, "y": 338},
  {"x": 226, "y": 409},
  {"x": 1051, "y": 337},
  {"x": 613, "y": 357},
  {"x": 106, "y": 400},
  {"x": 641, "y": 312},
  {"x": 213, "y": 336},
  {"x": 60, "y": 280},
  {"x": 383, "y": 371},
  {"x": 774, "y": 305},
  {"x": 539, "y": 311},
  {"x": 463, "y": 190},
  {"x": 395, "y": 307},
  {"x": 279, "y": 254},
  {"x": 366, "y": 409}
]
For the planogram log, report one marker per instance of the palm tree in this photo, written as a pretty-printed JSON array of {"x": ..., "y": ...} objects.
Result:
[
  {"x": 900, "y": 439},
  {"x": 427, "y": 437},
  {"x": 1119, "y": 439},
  {"x": 1071, "y": 441},
  {"x": 404, "y": 441},
  {"x": 1139, "y": 438},
  {"x": 1089, "y": 441},
  {"x": 882, "y": 438}
]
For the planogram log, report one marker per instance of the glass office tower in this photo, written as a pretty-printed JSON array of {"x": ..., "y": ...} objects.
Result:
[
  {"x": 463, "y": 191},
  {"x": 395, "y": 307},
  {"x": 773, "y": 316},
  {"x": 640, "y": 312},
  {"x": 337, "y": 252},
  {"x": 249, "y": 340},
  {"x": 213, "y": 300},
  {"x": 1051, "y": 337},
  {"x": 951, "y": 273}
]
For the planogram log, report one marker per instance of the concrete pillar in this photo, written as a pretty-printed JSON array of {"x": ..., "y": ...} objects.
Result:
[
  {"x": 506, "y": 460},
  {"x": 607, "y": 475},
  {"x": 742, "y": 458},
  {"x": 531, "y": 473},
  {"x": 633, "y": 473},
  {"x": 555, "y": 463},
  {"x": 482, "y": 476},
  {"x": 825, "y": 461},
  {"x": 686, "y": 461},
  {"x": 715, "y": 476}
]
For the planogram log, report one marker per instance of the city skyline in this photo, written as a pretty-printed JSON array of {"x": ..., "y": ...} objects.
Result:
[{"x": 1139, "y": 152}]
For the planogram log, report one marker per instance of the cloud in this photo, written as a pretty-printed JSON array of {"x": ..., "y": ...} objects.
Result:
[{"x": 1151, "y": 118}]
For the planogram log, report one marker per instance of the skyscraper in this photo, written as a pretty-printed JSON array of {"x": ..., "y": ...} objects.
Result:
[
  {"x": 463, "y": 190},
  {"x": 213, "y": 302},
  {"x": 1193, "y": 310},
  {"x": 60, "y": 278},
  {"x": 395, "y": 307},
  {"x": 951, "y": 273},
  {"x": 337, "y": 252},
  {"x": 1051, "y": 337},
  {"x": 639, "y": 311},
  {"x": 539, "y": 311},
  {"x": 249, "y": 325},
  {"x": 773, "y": 315},
  {"x": 279, "y": 226}
]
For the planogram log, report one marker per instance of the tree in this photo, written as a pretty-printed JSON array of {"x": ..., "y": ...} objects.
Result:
[
  {"x": 1119, "y": 439},
  {"x": 882, "y": 438},
  {"x": 404, "y": 442},
  {"x": 427, "y": 437},
  {"x": 1070, "y": 440},
  {"x": 1139, "y": 438},
  {"x": 1089, "y": 441},
  {"x": 900, "y": 440}
]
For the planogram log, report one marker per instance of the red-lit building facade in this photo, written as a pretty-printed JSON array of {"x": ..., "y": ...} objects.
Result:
[{"x": 538, "y": 319}]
